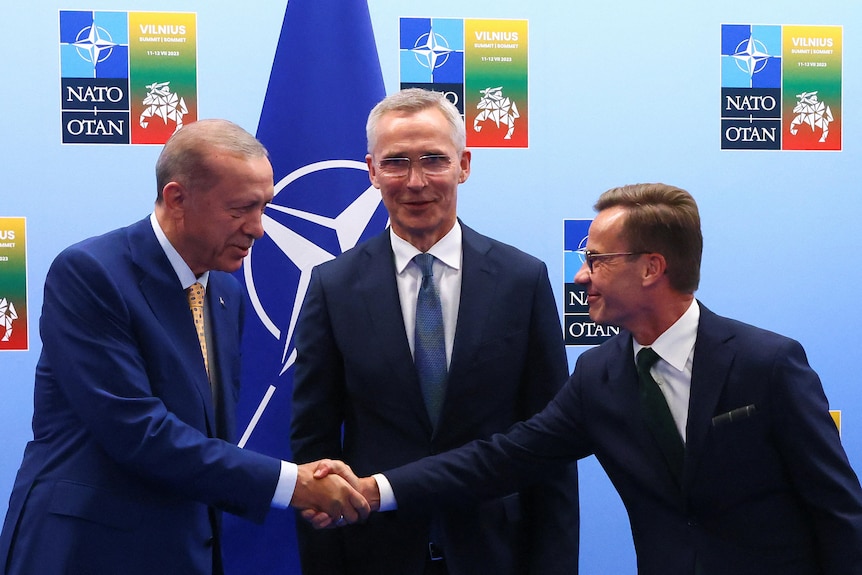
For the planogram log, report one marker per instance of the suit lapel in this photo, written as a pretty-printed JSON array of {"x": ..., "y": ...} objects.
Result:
[
  {"x": 223, "y": 314},
  {"x": 167, "y": 300},
  {"x": 478, "y": 284},
  {"x": 378, "y": 291},
  {"x": 713, "y": 359},
  {"x": 624, "y": 385}
]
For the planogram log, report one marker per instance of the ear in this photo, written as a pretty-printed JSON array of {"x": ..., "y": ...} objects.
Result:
[
  {"x": 466, "y": 156},
  {"x": 174, "y": 196},
  {"x": 655, "y": 269},
  {"x": 372, "y": 171}
]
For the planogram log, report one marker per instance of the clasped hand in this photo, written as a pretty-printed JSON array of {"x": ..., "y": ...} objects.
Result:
[
  {"x": 329, "y": 490},
  {"x": 343, "y": 498}
]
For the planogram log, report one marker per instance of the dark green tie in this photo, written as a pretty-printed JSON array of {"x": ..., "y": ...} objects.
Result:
[{"x": 658, "y": 416}]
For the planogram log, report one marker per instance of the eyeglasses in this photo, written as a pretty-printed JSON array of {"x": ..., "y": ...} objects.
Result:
[
  {"x": 429, "y": 164},
  {"x": 589, "y": 256}
]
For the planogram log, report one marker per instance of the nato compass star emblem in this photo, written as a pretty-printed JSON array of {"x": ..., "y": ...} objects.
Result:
[
  {"x": 301, "y": 232},
  {"x": 431, "y": 50},
  {"x": 751, "y": 56},
  {"x": 94, "y": 44}
]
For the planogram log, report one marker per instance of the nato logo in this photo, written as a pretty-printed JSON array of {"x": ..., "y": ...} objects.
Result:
[
  {"x": 432, "y": 50},
  {"x": 94, "y": 70},
  {"x": 432, "y": 56},
  {"x": 579, "y": 329},
  {"x": 304, "y": 228},
  {"x": 750, "y": 87},
  {"x": 750, "y": 56},
  {"x": 94, "y": 44}
]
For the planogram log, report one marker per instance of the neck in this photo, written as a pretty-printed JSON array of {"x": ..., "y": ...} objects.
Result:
[
  {"x": 660, "y": 319},
  {"x": 422, "y": 241}
]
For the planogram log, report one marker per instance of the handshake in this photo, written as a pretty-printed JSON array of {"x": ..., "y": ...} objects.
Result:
[{"x": 329, "y": 494}]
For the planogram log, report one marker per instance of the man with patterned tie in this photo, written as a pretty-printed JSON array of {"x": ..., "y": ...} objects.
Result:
[
  {"x": 732, "y": 467},
  {"x": 419, "y": 340},
  {"x": 133, "y": 459}
]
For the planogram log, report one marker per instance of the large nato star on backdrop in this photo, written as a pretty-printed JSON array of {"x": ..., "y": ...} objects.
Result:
[{"x": 301, "y": 252}]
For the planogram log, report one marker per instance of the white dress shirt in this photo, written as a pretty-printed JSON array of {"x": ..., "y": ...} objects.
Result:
[
  {"x": 672, "y": 372},
  {"x": 447, "y": 277}
]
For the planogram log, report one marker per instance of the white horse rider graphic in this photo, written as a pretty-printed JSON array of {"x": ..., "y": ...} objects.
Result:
[
  {"x": 809, "y": 110},
  {"x": 164, "y": 104},
  {"x": 7, "y": 316},
  {"x": 498, "y": 108}
]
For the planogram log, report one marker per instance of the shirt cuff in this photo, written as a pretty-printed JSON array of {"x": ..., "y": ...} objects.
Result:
[
  {"x": 387, "y": 496},
  {"x": 286, "y": 485}
]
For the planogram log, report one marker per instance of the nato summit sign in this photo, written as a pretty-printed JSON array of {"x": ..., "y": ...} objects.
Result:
[
  {"x": 13, "y": 284},
  {"x": 481, "y": 66},
  {"x": 578, "y": 328},
  {"x": 126, "y": 77},
  {"x": 781, "y": 87}
]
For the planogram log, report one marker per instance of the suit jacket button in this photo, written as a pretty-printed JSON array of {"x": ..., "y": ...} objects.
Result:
[{"x": 209, "y": 542}]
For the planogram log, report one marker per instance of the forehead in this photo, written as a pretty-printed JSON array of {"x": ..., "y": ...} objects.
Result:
[
  {"x": 229, "y": 163},
  {"x": 606, "y": 231},
  {"x": 423, "y": 131},
  {"x": 240, "y": 176}
]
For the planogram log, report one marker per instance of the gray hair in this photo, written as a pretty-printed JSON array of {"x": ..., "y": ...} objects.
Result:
[
  {"x": 185, "y": 157},
  {"x": 412, "y": 100}
]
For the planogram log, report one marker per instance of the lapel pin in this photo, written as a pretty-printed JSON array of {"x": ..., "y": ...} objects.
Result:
[{"x": 221, "y": 301}]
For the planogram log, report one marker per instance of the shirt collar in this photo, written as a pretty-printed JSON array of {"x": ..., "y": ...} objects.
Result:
[
  {"x": 677, "y": 342},
  {"x": 447, "y": 249},
  {"x": 181, "y": 268}
]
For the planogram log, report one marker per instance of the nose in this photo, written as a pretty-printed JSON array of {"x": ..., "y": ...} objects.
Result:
[
  {"x": 415, "y": 175},
  {"x": 254, "y": 225},
  {"x": 583, "y": 275}
]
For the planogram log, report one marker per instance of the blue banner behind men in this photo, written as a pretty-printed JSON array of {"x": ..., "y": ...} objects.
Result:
[{"x": 325, "y": 79}]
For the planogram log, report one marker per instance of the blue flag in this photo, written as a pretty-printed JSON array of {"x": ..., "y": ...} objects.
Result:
[{"x": 325, "y": 79}]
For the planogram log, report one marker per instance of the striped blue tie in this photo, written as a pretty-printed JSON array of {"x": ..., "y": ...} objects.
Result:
[{"x": 430, "y": 347}]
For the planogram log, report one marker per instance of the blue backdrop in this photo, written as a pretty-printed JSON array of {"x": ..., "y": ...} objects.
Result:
[{"x": 620, "y": 92}]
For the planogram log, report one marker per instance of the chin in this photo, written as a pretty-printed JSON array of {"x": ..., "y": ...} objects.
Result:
[
  {"x": 230, "y": 266},
  {"x": 597, "y": 317}
]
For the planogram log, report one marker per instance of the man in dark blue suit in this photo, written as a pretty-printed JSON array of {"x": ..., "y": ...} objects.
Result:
[
  {"x": 748, "y": 478},
  {"x": 504, "y": 360},
  {"x": 131, "y": 461}
]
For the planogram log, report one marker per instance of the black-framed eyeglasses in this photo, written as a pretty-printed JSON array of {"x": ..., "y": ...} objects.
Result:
[
  {"x": 429, "y": 164},
  {"x": 589, "y": 256}
]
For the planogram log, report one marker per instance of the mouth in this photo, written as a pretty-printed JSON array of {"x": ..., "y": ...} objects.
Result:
[
  {"x": 245, "y": 247},
  {"x": 418, "y": 202}
]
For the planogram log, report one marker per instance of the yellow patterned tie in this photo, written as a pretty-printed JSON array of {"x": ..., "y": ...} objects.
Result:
[{"x": 196, "y": 294}]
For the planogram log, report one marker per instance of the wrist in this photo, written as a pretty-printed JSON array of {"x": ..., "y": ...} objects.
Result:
[{"x": 370, "y": 491}]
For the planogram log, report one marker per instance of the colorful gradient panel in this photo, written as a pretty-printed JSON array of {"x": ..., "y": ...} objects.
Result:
[
  {"x": 811, "y": 101},
  {"x": 162, "y": 74},
  {"x": 496, "y": 83},
  {"x": 13, "y": 284}
]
